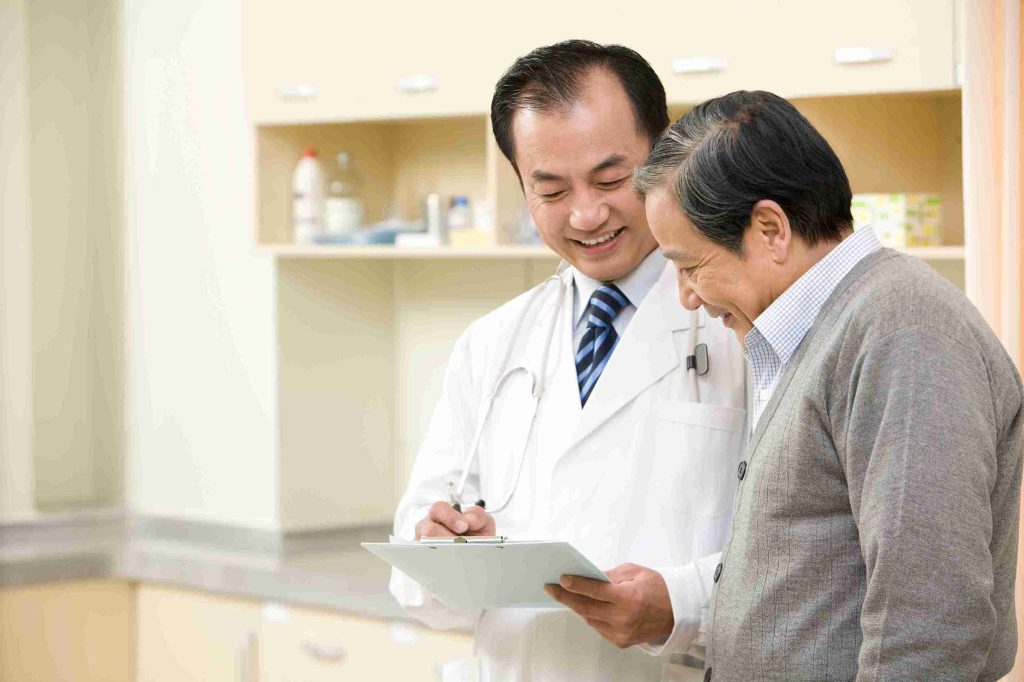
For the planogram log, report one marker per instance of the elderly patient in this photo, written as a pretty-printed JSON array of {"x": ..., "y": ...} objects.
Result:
[{"x": 875, "y": 534}]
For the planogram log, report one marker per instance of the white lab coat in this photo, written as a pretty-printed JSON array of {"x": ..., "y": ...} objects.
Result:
[{"x": 644, "y": 474}]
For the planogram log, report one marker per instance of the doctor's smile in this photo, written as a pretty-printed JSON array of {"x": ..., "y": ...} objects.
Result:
[{"x": 601, "y": 244}]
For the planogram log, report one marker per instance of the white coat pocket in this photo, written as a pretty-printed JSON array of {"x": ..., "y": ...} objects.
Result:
[{"x": 696, "y": 451}]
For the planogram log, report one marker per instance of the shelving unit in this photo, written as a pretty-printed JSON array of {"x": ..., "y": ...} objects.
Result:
[
  {"x": 364, "y": 333},
  {"x": 511, "y": 252}
]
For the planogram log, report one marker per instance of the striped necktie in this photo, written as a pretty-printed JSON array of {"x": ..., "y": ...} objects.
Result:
[{"x": 600, "y": 339}]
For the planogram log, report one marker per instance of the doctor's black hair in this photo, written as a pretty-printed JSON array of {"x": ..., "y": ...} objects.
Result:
[
  {"x": 551, "y": 78},
  {"x": 725, "y": 155}
]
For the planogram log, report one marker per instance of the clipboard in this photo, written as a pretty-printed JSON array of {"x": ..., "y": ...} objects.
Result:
[{"x": 488, "y": 575}]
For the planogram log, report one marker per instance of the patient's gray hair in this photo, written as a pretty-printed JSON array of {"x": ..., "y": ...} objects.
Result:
[{"x": 725, "y": 155}]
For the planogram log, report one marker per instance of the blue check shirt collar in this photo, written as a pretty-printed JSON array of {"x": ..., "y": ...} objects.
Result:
[{"x": 784, "y": 323}]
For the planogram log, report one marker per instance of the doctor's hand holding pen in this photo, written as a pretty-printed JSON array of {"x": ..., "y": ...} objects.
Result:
[{"x": 444, "y": 521}]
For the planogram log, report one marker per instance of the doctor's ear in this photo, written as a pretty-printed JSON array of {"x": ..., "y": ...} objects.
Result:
[{"x": 769, "y": 231}]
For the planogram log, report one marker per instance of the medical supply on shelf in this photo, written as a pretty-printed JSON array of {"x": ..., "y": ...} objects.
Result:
[
  {"x": 308, "y": 199},
  {"x": 900, "y": 220},
  {"x": 433, "y": 219},
  {"x": 459, "y": 216},
  {"x": 345, "y": 211}
]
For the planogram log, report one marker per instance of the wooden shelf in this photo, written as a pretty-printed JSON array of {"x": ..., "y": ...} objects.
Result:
[
  {"x": 384, "y": 252},
  {"x": 515, "y": 252},
  {"x": 935, "y": 253}
]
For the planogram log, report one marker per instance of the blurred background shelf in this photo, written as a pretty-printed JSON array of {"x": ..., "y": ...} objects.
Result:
[{"x": 384, "y": 252}]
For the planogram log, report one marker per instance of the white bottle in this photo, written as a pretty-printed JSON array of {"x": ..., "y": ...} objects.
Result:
[{"x": 308, "y": 199}]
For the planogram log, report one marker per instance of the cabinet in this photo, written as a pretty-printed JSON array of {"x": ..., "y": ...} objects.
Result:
[
  {"x": 363, "y": 334},
  {"x": 314, "y": 646},
  {"x": 318, "y": 61},
  {"x": 184, "y": 635},
  {"x": 71, "y": 632}
]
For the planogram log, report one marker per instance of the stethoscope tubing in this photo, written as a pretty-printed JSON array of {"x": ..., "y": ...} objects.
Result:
[{"x": 539, "y": 385}]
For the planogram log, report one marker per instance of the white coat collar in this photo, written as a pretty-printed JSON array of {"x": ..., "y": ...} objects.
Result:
[{"x": 646, "y": 352}]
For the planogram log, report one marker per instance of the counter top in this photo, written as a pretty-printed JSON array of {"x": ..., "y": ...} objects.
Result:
[{"x": 327, "y": 570}]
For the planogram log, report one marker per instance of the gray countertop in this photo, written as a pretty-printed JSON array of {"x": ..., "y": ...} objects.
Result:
[{"x": 322, "y": 570}]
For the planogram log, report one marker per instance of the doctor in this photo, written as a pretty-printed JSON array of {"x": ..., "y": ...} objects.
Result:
[{"x": 570, "y": 410}]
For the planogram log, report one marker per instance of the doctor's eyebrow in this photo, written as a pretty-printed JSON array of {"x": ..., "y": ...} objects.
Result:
[{"x": 611, "y": 161}]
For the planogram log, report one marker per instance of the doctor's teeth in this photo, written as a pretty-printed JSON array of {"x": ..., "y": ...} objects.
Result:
[{"x": 600, "y": 240}]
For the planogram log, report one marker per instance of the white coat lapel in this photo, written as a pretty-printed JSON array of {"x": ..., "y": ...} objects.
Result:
[{"x": 646, "y": 352}]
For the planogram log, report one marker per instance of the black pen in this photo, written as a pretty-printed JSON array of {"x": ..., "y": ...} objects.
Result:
[{"x": 479, "y": 503}]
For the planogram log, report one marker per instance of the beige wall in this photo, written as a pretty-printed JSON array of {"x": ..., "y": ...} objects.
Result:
[
  {"x": 16, "y": 486},
  {"x": 60, "y": 330},
  {"x": 200, "y": 316}
]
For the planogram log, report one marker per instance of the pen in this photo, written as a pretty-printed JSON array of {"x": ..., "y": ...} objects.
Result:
[
  {"x": 479, "y": 503},
  {"x": 455, "y": 504}
]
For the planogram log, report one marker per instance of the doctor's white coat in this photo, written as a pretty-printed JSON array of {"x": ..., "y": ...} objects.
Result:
[{"x": 644, "y": 474}]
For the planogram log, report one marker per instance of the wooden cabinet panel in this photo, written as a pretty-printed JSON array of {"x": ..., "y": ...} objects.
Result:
[
  {"x": 184, "y": 636},
  {"x": 69, "y": 632},
  {"x": 912, "y": 41},
  {"x": 367, "y": 60},
  {"x": 316, "y": 646},
  {"x": 355, "y": 56}
]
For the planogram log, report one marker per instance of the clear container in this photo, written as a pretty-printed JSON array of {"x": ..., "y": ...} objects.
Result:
[
  {"x": 460, "y": 217},
  {"x": 345, "y": 209}
]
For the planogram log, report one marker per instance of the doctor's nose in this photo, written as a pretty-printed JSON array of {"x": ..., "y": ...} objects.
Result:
[{"x": 588, "y": 214}]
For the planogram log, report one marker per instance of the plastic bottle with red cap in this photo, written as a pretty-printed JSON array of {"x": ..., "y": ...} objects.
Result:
[{"x": 308, "y": 199}]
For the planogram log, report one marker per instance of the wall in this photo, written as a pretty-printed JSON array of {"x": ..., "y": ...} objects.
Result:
[
  {"x": 16, "y": 487},
  {"x": 200, "y": 314},
  {"x": 60, "y": 329}
]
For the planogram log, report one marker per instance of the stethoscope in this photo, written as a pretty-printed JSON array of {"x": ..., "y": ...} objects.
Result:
[{"x": 696, "y": 364}]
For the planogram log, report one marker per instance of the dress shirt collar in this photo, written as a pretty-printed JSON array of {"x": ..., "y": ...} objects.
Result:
[
  {"x": 785, "y": 322},
  {"x": 636, "y": 285}
]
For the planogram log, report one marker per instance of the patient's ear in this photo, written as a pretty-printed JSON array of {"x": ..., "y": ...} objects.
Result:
[{"x": 770, "y": 232}]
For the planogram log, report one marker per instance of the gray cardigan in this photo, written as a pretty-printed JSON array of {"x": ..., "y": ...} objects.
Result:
[{"x": 875, "y": 533}]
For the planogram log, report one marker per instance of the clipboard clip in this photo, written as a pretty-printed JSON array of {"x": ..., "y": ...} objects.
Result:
[{"x": 466, "y": 540}]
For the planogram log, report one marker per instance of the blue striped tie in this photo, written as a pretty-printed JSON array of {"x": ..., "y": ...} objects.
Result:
[{"x": 600, "y": 339}]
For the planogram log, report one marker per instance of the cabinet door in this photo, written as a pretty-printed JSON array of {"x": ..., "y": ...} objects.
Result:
[
  {"x": 74, "y": 632},
  {"x": 184, "y": 636},
  {"x": 299, "y": 645},
  {"x": 872, "y": 46},
  {"x": 321, "y": 60}
]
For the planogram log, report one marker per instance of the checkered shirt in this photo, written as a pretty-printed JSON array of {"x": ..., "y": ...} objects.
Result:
[{"x": 779, "y": 330}]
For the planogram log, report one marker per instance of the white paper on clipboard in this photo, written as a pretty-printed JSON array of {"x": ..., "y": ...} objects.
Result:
[{"x": 486, "y": 576}]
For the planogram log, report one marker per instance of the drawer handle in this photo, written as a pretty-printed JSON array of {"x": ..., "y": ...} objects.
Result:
[
  {"x": 325, "y": 653},
  {"x": 417, "y": 83},
  {"x": 684, "y": 65},
  {"x": 299, "y": 92},
  {"x": 864, "y": 54}
]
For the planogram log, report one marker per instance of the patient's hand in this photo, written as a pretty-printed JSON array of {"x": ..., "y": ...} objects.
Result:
[{"x": 633, "y": 609}]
